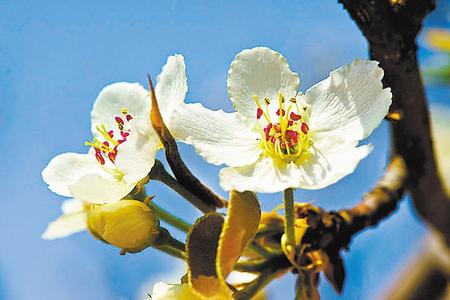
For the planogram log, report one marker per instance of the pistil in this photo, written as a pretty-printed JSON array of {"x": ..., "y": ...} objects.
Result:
[{"x": 288, "y": 138}]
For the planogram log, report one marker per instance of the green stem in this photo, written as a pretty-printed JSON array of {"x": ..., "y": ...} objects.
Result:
[
  {"x": 255, "y": 286},
  {"x": 169, "y": 218},
  {"x": 171, "y": 251},
  {"x": 158, "y": 172},
  {"x": 276, "y": 262},
  {"x": 168, "y": 244},
  {"x": 263, "y": 252},
  {"x": 288, "y": 198}
]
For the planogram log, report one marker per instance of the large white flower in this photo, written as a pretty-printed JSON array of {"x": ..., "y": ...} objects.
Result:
[
  {"x": 124, "y": 143},
  {"x": 279, "y": 138}
]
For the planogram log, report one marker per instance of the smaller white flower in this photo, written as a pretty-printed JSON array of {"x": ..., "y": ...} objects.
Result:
[
  {"x": 279, "y": 138},
  {"x": 164, "y": 291},
  {"x": 124, "y": 144},
  {"x": 72, "y": 221}
]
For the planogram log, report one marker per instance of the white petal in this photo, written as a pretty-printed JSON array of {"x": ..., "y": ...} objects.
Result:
[
  {"x": 116, "y": 97},
  {"x": 265, "y": 176},
  {"x": 96, "y": 189},
  {"x": 65, "y": 226},
  {"x": 219, "y": 137},
  {"x": 65, "y": 169},
  {"x": 262, "y": 72},
  {"x": 136, "y": 156},
  {"x": 351, "y": 102},
  {"x": 328, "y": 164},
  {"x": 171, "y": 87},
  {"x": 72, "y": 206},
  {"x": 325, "y": 165},
  {"x": 164, "y": 291}
]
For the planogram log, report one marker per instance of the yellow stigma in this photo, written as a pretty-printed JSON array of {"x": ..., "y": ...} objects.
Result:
[{"x": 130, "y": 225}]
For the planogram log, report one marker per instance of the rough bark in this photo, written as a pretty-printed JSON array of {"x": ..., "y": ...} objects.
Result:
[{"x": 391, "y": 31}]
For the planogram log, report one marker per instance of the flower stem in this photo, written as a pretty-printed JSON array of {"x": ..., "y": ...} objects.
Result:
[
  {"x": 158, "y": 172},
  {"x": 255, "y": 286},
  {"x": 169, "y": 218},
  {"x": 263, "y": 252},
  {"x": 288, "y": 199},
  {"x": 168, "y": 244},
  {"x": 171, "y": 251}
]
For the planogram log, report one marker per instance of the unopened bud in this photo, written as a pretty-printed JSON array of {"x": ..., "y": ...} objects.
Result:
[{"x": 130, "y": 225}]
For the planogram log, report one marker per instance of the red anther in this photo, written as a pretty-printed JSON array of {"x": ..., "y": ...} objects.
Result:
[
  {"x": 291, "y": 134},
  {"x": 128, "y": 117},
  {"x": 290, "y": 122},
  {"x": 267, "y": 131},
  {"x": 119, "y": 120},
  {"x": 124, "y": 134},
  {"x": 111, "y": 133},
  {"x": 106, "y": 143},
  {"x": 112, "y": 156},
  {"x": 294, "y": 116},
  {"x": 282, "y": 112},
  {"x": 99, "y": 158},
  {"x": 273, "y": 139},
  {"x": 277, "y": 127},
  {"x": 259, "y": 113},
  {"x": 122, "y": 141},
  {"x": 305, "y": 128}
]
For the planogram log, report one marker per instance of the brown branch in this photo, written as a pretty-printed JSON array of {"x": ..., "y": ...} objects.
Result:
[
  {"x": 332, "y": 231},
  {"x": 380, "y": 202},
  {"x": 391, "y": 31},
  {"x": 182, "y": 173}
]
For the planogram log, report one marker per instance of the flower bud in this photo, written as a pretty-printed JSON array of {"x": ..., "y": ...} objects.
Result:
[{"x": 128, "y": 224}]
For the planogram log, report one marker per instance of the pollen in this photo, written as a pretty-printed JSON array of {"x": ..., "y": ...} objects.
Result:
[{"x": 284, "y": 128}]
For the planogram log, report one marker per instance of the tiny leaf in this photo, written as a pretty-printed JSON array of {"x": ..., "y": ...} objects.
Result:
[
  {"x": 335, "y": 272},
  {"x": 202, "y": 244},
  {"x": 240, "y": 226}
]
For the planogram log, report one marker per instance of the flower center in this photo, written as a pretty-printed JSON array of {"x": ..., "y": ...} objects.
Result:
[
  {"x": 106, "y": 147},
  {"x": 285, "y": 136}
]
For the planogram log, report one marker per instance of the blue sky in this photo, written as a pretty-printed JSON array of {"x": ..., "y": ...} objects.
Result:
[{"x": 56, "y": 56}]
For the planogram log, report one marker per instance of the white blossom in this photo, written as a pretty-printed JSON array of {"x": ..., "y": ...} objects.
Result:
[{"x": 279, "y": 138}]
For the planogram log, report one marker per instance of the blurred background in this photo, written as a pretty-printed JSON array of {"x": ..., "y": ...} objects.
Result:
[{"x": 55, "y": 56}]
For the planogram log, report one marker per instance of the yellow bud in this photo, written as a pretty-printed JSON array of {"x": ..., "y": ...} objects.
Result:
[{"x": 128, "y": 224}]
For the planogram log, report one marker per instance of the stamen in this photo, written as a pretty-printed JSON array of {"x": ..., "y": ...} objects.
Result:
[
  {"x": 102, "y": 130},
  {"x": 259, "y": 113},
  {"x": 282, "y": 112},
  {"x": 305, "y": 128},
  {"x": 99, "y": 158},
  {"x": 294, "y": 116},
  {"x": 255, "y": 98},
  {"x": 281, "y": 102},
  {"x": 119, "y": 120}
]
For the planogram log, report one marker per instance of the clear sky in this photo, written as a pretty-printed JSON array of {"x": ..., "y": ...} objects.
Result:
[{"x": 55, "y": 56}]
